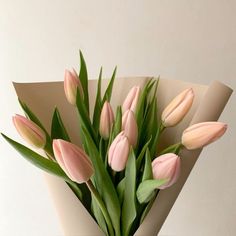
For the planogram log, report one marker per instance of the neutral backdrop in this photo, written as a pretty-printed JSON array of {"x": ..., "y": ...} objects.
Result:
[{"x": 188, "y": 40}]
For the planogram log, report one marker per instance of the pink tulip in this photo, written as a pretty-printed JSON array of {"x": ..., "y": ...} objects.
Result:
[
  {"x": 132, "y": 99},
  {"x": 73, "y": 160},
  {"x": 119, "y": 152},
  {"x": 29, "y": 131},
  {"x": 166, "y": 166},
  {"x": 106, "y": 120},
  {"x": 202, "y": 134},
  {"x": 177, "y": 108},
  {"x": 130, "y": 127},
  {"x": 71, "y": 83}
]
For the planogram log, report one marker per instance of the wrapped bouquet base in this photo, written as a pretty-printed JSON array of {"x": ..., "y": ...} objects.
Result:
[{"x": 42, "y": 97}]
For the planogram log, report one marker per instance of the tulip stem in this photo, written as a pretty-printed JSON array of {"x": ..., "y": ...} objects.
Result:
[{"x": 100, "y": 203}]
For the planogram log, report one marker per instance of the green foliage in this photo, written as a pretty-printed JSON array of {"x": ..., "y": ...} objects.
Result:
[{"x": 129, "y": 211}]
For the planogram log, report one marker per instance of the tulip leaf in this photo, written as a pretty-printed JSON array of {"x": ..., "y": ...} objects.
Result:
[
  {"x": 38, "y": 160},
  {"x": 84, "y": 116},
  {"x": 99, "y": 216},
  {"x": 32, "y": 116},
  {"x": 147, "y": 172},
  {"x": 58, "y": 130},
  {"x": 106, "y": 189},
  {"x": 148, "y": 207},
  {"x": 108, "y": 92},
  {"x": 121, "y": 189},
  {"x": 83, "y": 76},
  {"x": 140, "y": 109},
  {"x": 142, "y": 154},
  {"x": 98, "y": 104},
  {"x": 175, "y": 148},
  {"x": 129, "y": 210},
  {"x": 117, "y": 124},
  {"x": 147, "y": 187}
]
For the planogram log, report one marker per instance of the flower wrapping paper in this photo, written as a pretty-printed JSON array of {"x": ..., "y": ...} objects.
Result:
[{"x": 43, "y": 97}]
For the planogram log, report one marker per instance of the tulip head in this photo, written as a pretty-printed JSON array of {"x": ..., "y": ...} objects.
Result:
[
  {"x": 166, "y": 166},
  {"x": 106, "y": 120},
  {"x": 29, "y": 131},
  {"x": 129, "y": 125},
  {"x": 202, "y": 134},
  {"x": 73, "y": 160},
  {"x": 177, "y": 108},
  {"x": 132, "y": 99},
  {"x": 119, "y": 152},
  {"x": 71, "y": 83}
]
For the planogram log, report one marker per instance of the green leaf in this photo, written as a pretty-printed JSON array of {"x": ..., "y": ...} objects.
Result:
[
  {"x": 147, "y": 172},
  {"x": 117, "y": 124},
  {"x": 129, "y": 211},
  {"x": 146, "y": 188},
  {"x": 83, "y": 76},
  {"x": 28, "y": 112},
  {"x": 142, "y": 153},
  {"x": 103, "y": 182},
  {"x": 38, "y": 160},
  {"x": 148, "y": 208},
  {"x": 58, "y": 130},
  {"x": 84, "y": 117},
  {"x": 140, "y": 109},
  {"x": 121, "y": 189},
  {"x": 99, "y": 216},
  {"x": 98, "y": 104},
  {"x": 108, "y": 92},
  {"x": 175, "y": 148}
]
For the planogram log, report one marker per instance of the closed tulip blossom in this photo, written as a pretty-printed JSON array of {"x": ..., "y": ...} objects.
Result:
[
  {"x": 202, "y": 134},
  {"x": 119, "y": 152},
  {"x": 73, "y": 160},
  {"x": 129, "y": 125},
  {"x": 29, "y": 131},
  {"x": 71, "y": 83},
  {"x": 177, "y": 108},
  {"x": 166, "y": 166},
  {"x": 131, "y": 100},
  {"x": 106, "y": 120}
]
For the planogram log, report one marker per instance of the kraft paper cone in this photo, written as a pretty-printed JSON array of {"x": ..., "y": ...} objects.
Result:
[{"x": 43, "y": 97}]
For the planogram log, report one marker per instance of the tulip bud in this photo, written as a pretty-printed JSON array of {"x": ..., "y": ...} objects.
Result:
[
  {"x": 119, "y": 152},
  {"x": 166, "y": 166},
  {"x": 73, "y": 160},
  {"x": 177, "y": 108},
  {"x": 202, "y": 134},
  {"x": 71, "y": 83},
  {"x": 130, "y": 127},
  {"x": 29, "y": 131},
  {"x": 132, "y": 99},
  {"x": 106, "y": 120}
]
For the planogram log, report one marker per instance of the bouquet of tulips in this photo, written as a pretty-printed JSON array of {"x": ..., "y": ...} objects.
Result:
[{"x": 120, "y": 167}]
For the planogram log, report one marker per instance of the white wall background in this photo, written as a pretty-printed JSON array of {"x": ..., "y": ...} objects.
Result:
[{"x": 189, "y": 40}]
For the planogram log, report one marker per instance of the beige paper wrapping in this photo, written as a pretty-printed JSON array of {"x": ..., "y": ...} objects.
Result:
[{"x": 43, "y": 97}]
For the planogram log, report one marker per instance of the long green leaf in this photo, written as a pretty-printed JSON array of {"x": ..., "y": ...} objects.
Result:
[
  {"x": 99, "y": 216},
  {"x": 58, "y": 130},
  {"x": 147, "y": 172},
  {"x": 106, "y": 189},
  {"x": 129, "y": 211},
  {"x": 84, "y": 117},
  {"x": 38, "y": 160},
  {"x": 83, "y": 76},
  {"x": 28, "y": 112},
  {"x": 117, "y": 124},
  {"x": 98, "y": 104},
  {"x": 142, "y": 154},
  {"x": 147, "y": 187},
  {"x": 108, "y": 92}
]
